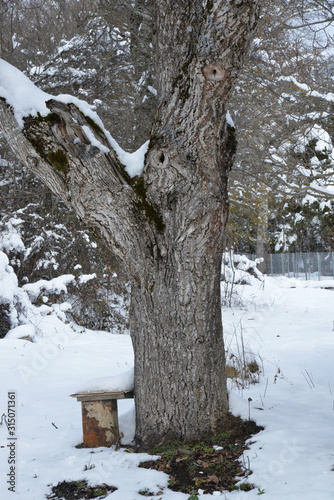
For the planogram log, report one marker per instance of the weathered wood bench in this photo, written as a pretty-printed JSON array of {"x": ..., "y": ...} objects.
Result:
[{"x": 100, "y": 417}]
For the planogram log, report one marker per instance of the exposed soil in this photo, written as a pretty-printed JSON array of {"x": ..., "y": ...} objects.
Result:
[
  {"x": 213, "y": 464},
  {"x": 79, "y": 490}
]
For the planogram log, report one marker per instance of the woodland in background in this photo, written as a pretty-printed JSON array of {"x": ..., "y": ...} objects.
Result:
[
  {"x": 100, "y": 51},
  {"x": 281, "y": 187}
]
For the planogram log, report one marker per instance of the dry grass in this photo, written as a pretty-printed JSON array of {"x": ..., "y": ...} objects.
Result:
[{"x": 243, "y": 367}]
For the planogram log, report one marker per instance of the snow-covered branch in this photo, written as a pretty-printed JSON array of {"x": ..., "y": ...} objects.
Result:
[{"x": 65, "y": 144}]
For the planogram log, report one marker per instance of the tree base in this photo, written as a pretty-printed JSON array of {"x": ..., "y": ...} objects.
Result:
[{"x": 211, "y": 464}]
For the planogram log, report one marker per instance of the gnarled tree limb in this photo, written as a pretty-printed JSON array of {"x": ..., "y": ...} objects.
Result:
[{"x": 94, "y": 183}]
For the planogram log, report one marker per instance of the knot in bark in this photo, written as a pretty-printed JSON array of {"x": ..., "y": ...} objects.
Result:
[{"x": 213, "y": 72}]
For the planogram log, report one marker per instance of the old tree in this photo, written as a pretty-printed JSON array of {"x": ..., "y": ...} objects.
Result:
[{"x": 167, "y": 224}]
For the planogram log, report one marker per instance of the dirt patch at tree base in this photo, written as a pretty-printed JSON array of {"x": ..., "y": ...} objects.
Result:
[{"x": 213, "y": 464}]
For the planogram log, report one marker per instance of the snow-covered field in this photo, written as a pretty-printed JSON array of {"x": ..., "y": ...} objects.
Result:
[{"x": 286, "y": 325}]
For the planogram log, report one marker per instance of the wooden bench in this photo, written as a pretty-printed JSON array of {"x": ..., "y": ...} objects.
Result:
[{"x": 100, "y": 417}]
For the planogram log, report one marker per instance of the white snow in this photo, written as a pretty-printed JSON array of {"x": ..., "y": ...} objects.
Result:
[
  {"x": 26, "y": 99},
  {"x": 134, "y": 162},
  {"x": 56, "y": 285},
  {"x": 121, "y": 382},
  {"x": 239, "y": 269},
  {"x": 21, "y": 93},
  {"x": 92, "y": 139},
  {"x": 10, "y": 239},
  {"x": 285, "y": 324},
  {"x": 152, "y": 90},
  {"x": 8, "y": 280},
  {"x": 86, "y": 277},
  {"x": 229, "y": 119},
  {"x": 288, "y": 326},
  {"x": 21, "y": 331}
]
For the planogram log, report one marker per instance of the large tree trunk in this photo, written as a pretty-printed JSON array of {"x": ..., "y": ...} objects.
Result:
[
  {"x": 179, "y": 352},
  {"x": 176, "y": 322},
  {"x": 167, "y": 226}
]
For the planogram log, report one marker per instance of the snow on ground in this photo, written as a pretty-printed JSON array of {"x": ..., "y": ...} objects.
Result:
[
  {"x": 292, "y": 335},
  {"x": 285, "y": 324}
]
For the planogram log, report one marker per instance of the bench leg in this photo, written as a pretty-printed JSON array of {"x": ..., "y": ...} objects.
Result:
[{"x": 100, "y": 423}]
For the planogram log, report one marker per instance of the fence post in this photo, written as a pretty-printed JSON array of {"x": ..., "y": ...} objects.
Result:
[{"x": 319, "y": 265}]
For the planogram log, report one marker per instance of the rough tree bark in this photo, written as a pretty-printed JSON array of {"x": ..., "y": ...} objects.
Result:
[{"x": 166, "y": 225}]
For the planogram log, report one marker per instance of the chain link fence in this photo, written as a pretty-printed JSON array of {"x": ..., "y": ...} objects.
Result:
[
  {"x": 308, "y": 266},
  {"x": 317, "y": 265}
]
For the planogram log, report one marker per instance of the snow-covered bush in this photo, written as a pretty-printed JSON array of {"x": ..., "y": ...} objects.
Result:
[
  {"x": 40, "y": 308},
  {"x": 14, "y": 302},
  {"x": 43, "y": 241},
  {"x": 238, "y": 269}
]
